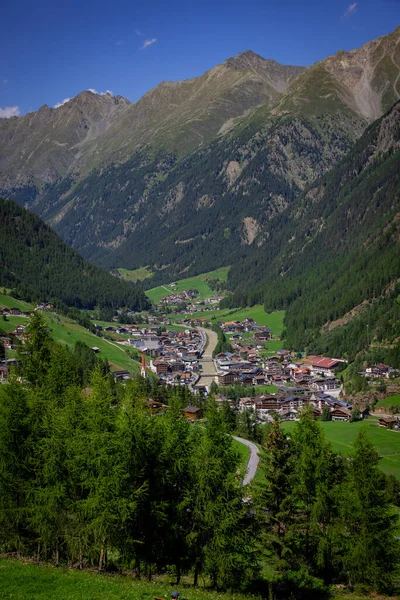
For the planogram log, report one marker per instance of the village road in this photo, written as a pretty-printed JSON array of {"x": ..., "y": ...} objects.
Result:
[
  {"x": 253, "y": 460},
  {"x": 206, "y": 378}
]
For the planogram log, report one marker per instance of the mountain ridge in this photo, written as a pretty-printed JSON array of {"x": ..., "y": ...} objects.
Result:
[{"x": 203, "y": 163}]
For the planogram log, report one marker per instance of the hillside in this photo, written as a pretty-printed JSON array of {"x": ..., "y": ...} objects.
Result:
[
  {"x": 41, "y": 266},
  {"x": 186, "y": 179},
  {"x": 333, "y": 257}
]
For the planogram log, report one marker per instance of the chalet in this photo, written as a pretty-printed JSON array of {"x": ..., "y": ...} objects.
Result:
[
  {"x": 225, "y": 378},
  {"x": 341, "y": 414},
  {"x": 378, "y": 371},
  {"x": 259, "y": 379},
  {"x": 161, "y": 366},
  {"x": 155, "y": 406},
  {"x": 289, "y": 415},
  {"x": 14, "y": 310},
  {"x": 323, "y": 365},
  {"x": 95, "y": 349},
  {"x": 192, "y": 413},
  {"x": 388, "y": 423},
  {"x": 121, "y": 375},
  {"x": 324, "y": 385}
]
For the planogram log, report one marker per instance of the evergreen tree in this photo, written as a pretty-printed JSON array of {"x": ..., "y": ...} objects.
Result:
[{"x": 370, "y": 548}]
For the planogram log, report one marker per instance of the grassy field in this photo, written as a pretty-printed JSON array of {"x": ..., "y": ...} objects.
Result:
[
  {"x": 8, "y": 302},
  {"x": 273, "y": 346},
  {"x": 11, "y": 323},
  {"x": 389, "y": 402},
  {"x": 68, "y": 332},
  {"x": 342, "y": 435},
  {"x": 22, "y": 580},
  {"x": 136, "y": 275},
  {"x": 272, "y": 320},
  {"x": 198, "y": 283},
  {"x": 26, "y": 581}
]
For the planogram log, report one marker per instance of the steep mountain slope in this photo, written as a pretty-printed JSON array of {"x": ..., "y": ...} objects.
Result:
[
  {"x": 44, "y": 146},
  {"x": 336, "y": 249},
  {"x": 37, "y": 262},
  {"x": 187, "y": 178}
]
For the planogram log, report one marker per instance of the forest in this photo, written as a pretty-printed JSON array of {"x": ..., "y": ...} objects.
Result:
[
  {"x": 334, "y": 248},
  {"x": 39, "y": 266},
  {"x": 91, "y": 477}
]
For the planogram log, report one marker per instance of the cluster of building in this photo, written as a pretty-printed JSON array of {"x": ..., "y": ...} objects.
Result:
[
  {"x": 247, "y": 367},
  {"x": 178, "y": 298},
  {"x": 175, "y": 354},
  {"x": 290, "y": 406},
  {"x": 380, "y": 371}
]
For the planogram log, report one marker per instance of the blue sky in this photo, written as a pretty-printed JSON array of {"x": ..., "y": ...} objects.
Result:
[{"x": 51, "y": 51}]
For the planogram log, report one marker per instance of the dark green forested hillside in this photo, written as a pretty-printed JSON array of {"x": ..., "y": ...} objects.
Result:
[
  {"x": 92, "y": 478},
  {"x": 40, "y": 266},
  {"x": 336, "y": 246}
]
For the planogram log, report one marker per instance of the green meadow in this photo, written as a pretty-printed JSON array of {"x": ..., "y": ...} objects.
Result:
[
  {"x": 135, "y": 275},
  {"x": 272, "y": 320},
  {"x": 66, "y": 331},
  {"x": 389, "y": 402},
  {"x": 342, "y": 435},
  {"x": 198, "y": 283}
]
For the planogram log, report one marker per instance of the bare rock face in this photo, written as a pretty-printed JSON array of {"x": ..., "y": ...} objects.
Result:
[
  {"x": 371, "y": 74},
  {"x": 42, "y": 146}
]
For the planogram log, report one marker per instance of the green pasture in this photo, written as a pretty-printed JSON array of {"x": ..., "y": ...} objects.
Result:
[
  {"x": 67, "y": 331},
  {"x": 191, "y": 283},
  {"x": 136, "y": 274},
  {"x": 10, "y": 302},
  {"x": 272, "y": 320},
  {"x": 342, "y": 435},
  {"x": 272, "y": 346},
  {"x": 11, "y": 323},
  {"x": 23, "y": 580},
  {"x": 389, "y": 402}
]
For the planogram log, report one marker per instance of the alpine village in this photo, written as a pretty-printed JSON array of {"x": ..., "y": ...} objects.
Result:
[{"x": 200, "y": 336}]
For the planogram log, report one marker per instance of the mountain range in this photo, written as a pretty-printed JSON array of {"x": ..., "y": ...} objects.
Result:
[{"x": 193, "y": 175}]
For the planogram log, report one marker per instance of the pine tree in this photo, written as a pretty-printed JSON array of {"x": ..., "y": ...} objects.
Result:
[
  {"x": 275, "y": 502},
  {"x": 371, "y": 551}
]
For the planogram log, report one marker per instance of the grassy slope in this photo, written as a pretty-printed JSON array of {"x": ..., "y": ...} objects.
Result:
[
  {"x": 198, "y": 282},
  {"x": 136, "y": 275},
  {"x": 342, "y": 435},
  {"x": 21, "y": 580},
  {"x": 67, "y": 331},
  {"x": 272, "y": 320},
  {"x": 389, "y": 402}
]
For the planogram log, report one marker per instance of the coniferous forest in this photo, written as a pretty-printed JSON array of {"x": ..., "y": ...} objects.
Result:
[
  {"x": 90, "y": 477},
  {"x": 39, "y": 266}
]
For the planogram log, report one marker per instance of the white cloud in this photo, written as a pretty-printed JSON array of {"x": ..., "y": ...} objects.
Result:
[
  {"x": 148, "y": 43},
  {"x": 107, "y": 92},
  {"x": 9, "y": 111},
  {"x": 5, "y": 81},
  {"x": 138, "y": 32},
  {"x": 119, "y": 42},
  {"x": 351, "y": 9},
  {"x": 62, "y": 103}
]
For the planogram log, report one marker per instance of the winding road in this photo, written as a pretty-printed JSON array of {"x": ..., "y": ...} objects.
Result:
[
  {"x": 207, "y": 376},
  {"x": 253, "y": 461}
]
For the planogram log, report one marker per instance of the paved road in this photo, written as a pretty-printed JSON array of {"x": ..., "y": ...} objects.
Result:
[
  {"x": 254, "y": 459},
  {"x": 208, "y": 368}
]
